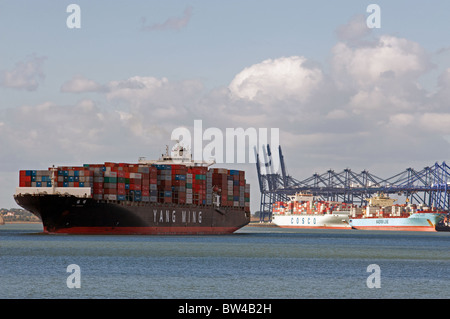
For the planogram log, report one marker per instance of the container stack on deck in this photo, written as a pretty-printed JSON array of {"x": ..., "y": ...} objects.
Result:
[
  {"x": 157, "y": 183},
  {"x": 307, "y": 207}
]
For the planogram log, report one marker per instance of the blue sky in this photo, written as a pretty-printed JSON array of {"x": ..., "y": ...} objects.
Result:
[{"x": 65, "y": 102}]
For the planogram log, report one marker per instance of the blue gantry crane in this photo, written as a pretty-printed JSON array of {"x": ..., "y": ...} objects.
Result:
[{"x": 429, "y": 186}]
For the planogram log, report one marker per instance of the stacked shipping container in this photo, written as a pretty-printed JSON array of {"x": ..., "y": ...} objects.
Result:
[
  {"x": 307, "y": 207},
  {"x": 155, "y": 183},
  {"x": 33, "y": 178},
  {"x": 233, "y": 188}
]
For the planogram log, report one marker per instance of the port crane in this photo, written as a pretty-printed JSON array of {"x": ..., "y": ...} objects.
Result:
[{"x": 429, "y": 186}]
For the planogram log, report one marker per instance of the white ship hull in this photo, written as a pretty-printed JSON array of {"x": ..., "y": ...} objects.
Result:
[
  {"x": 415, "y": 222},
  {"x": 330, "y": 221}
]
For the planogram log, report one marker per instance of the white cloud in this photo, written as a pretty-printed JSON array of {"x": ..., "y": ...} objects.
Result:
[
  {"x": 80, "y": 84},
  {"x": 353, "y": 31},
  {"x": 364, "y": 109},
  {"x": 135, "y": 89},
  {"x": 390, "y": 58},
  {"x": 26, "y": 75},
  {"x": 435, "y": 122},
  {"x": 277, "y": 79}
]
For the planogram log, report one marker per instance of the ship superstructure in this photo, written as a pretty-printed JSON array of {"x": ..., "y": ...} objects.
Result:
[
  {"x": 304, "y": 211},
  {"x": 382, "y": 214}
]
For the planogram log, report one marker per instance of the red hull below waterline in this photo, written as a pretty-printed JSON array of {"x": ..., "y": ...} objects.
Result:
[
  {"x": 144, "y": 230},
  {"x": 398, "y": 228}
]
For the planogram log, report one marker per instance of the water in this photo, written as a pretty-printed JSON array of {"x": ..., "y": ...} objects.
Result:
[{"x": 256, "y": 262}]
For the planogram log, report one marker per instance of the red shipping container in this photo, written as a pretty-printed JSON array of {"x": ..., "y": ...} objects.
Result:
[
  {"x": 110, "y": 191},
  {"x": 135, "y": 187},
  {"x": 98, "y": 185}
]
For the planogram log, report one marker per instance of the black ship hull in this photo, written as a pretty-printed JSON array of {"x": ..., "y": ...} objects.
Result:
[
  {"x": 75, "y": 215},
  {"x": 442, "y": 227}
]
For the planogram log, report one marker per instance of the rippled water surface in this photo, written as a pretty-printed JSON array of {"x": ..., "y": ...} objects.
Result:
[{"x": 256, "y": 262}]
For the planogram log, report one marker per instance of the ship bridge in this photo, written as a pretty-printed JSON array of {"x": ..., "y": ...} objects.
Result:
[{"x": 429, "y": 186}]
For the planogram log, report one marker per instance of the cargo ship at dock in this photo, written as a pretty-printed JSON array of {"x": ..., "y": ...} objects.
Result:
[
  {"x": 173, "y": 195},
  {"x": 303, "y": 211},
  {"x": 382, "y": 214}
]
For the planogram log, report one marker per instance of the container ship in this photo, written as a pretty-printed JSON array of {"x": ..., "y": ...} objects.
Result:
[
  {"x": 172, "y": 195},
  {"x": 303, "y": 211},
  {"x": 382, "y": 214}
]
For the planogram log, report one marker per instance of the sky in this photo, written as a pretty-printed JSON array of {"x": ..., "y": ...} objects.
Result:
[{"x": 342, "y": 95}]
